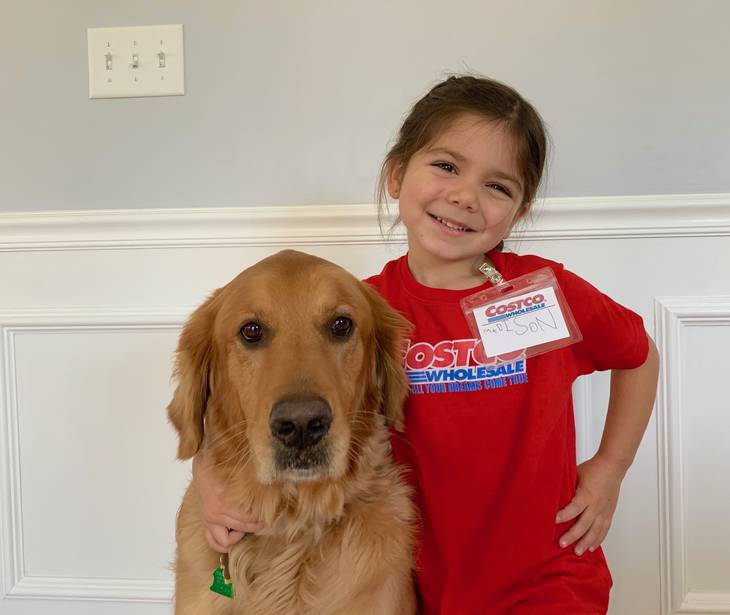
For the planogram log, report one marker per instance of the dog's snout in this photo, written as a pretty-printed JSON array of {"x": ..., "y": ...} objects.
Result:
[{"x": 300, "y": 423}]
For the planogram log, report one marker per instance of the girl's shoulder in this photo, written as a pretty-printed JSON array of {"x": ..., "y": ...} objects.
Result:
[{"x": 613, "y": 335}]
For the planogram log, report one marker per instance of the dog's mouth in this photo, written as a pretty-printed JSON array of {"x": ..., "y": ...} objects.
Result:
[{"x": 302, "y": 463}]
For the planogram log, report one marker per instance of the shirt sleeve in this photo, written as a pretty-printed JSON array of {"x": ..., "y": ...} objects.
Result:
[{"x": 614, "y": 336}]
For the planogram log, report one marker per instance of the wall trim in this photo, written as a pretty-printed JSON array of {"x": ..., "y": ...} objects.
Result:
[
  {"x": 16, "y": 582},
  {"x": 689, "y": 215},
  {"x": 106, "y": 590},
  {"x": 672, "y": 314}
]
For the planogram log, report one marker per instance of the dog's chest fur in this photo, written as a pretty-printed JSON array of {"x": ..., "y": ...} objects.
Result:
[
  {"x": 278, "y": 575},
  {"x": 278, "y": 583}
]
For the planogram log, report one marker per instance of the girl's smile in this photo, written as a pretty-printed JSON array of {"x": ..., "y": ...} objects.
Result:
[{"x": 450, "y": 227}]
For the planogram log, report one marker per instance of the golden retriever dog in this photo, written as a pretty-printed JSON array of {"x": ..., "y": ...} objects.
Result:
[{"x": 289, "y": 377}]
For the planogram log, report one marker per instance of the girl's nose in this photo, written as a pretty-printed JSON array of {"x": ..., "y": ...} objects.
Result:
[{"x": 463, "y": 197}]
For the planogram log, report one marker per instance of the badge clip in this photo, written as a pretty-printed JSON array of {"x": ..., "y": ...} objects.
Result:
[{"x": 491, "y": 273}]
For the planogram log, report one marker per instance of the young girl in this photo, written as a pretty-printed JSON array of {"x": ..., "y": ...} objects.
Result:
[{"x": 510, "y": 525}]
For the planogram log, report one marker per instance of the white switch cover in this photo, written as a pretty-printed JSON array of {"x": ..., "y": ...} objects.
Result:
[{"x": 139, "y": 61}]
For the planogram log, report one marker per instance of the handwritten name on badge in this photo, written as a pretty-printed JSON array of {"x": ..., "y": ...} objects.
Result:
[{"x": 521, "y": 322}]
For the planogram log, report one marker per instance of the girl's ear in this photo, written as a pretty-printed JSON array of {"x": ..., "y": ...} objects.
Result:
[
  {"x": 522, "y": 214},
  {"x": 523, "y": 211},
  {"x": 395, "y": 178},
  {"x": 192, "y": 369}
]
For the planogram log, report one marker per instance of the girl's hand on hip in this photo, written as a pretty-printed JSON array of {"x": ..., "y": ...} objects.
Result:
[
  {"x": 594, "y": 503},
  {"x": 224, "y": 526}
]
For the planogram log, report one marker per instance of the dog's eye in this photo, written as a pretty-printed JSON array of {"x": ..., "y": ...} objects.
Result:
[
  {"x": 252, "y": 332},
  {"x": 341, "y": 326}
]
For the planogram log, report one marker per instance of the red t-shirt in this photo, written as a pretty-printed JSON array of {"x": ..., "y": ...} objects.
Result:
[{"x": 494, "y": 459}]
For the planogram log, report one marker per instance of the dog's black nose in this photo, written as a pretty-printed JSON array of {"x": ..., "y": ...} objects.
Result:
[{"x": 300, "y": 423}]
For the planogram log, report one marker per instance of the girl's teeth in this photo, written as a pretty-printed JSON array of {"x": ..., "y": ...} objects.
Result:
[{"x": 450, "y": 225}]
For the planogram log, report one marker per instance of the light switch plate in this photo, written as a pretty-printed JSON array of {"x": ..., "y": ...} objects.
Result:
[{"x": 137, "y": 61}]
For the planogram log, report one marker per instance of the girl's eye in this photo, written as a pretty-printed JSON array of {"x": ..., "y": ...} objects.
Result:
[
  {"x": 252, "y": 332},
  {"x": 446, "y": 166},
  {"x": 500, "y": 188}
]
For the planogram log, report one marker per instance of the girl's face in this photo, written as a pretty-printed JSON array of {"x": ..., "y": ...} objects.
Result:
[{"x": 460, "y": 195}]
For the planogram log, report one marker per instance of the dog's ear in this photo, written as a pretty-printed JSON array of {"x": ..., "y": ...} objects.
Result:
[
  {"x": 192, "y": 370},
  {"x": 391, "y": 383}
]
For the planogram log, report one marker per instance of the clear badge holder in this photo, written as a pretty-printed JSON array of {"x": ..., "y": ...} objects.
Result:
[{"x": 528, "y": 313}]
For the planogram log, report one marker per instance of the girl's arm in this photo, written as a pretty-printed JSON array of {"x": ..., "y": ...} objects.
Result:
[
  {"x": 224, "y": 526},
  {"x": 599, "y": 479}
]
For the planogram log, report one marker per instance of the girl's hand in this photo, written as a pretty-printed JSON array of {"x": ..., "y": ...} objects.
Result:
[
  {"x": 594, "y": 503},
  {"x": 224, "y": 526}
]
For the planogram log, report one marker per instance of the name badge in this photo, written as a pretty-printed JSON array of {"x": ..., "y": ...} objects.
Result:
[{"x": 528, "y": 313}]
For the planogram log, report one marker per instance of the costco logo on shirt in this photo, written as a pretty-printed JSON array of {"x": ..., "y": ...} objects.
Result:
[{"x": 454, "y": 366}]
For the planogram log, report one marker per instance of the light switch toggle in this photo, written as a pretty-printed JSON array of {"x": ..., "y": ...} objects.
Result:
[
  {"x": 108, "y": 57},
  {"x": 135, "y": 60}
]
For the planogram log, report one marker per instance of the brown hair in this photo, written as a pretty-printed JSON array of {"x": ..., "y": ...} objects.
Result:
[{"x": 491, "y": 99}]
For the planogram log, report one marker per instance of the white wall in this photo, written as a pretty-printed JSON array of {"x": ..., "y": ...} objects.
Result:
[{"x": 294, "y": 103}]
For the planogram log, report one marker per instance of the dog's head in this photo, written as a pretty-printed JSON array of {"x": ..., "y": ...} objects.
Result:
[{"x": 288, "y": 366}]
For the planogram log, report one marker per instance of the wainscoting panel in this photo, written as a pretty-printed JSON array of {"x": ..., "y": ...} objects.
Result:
[{"x": 694, "y": 428}]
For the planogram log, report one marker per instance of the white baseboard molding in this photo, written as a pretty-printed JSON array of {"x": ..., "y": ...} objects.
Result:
[{"x": 107, "y": 590}]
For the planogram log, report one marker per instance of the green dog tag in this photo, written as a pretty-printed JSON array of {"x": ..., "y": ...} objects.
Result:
[{"x": 222, "y": 583}]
